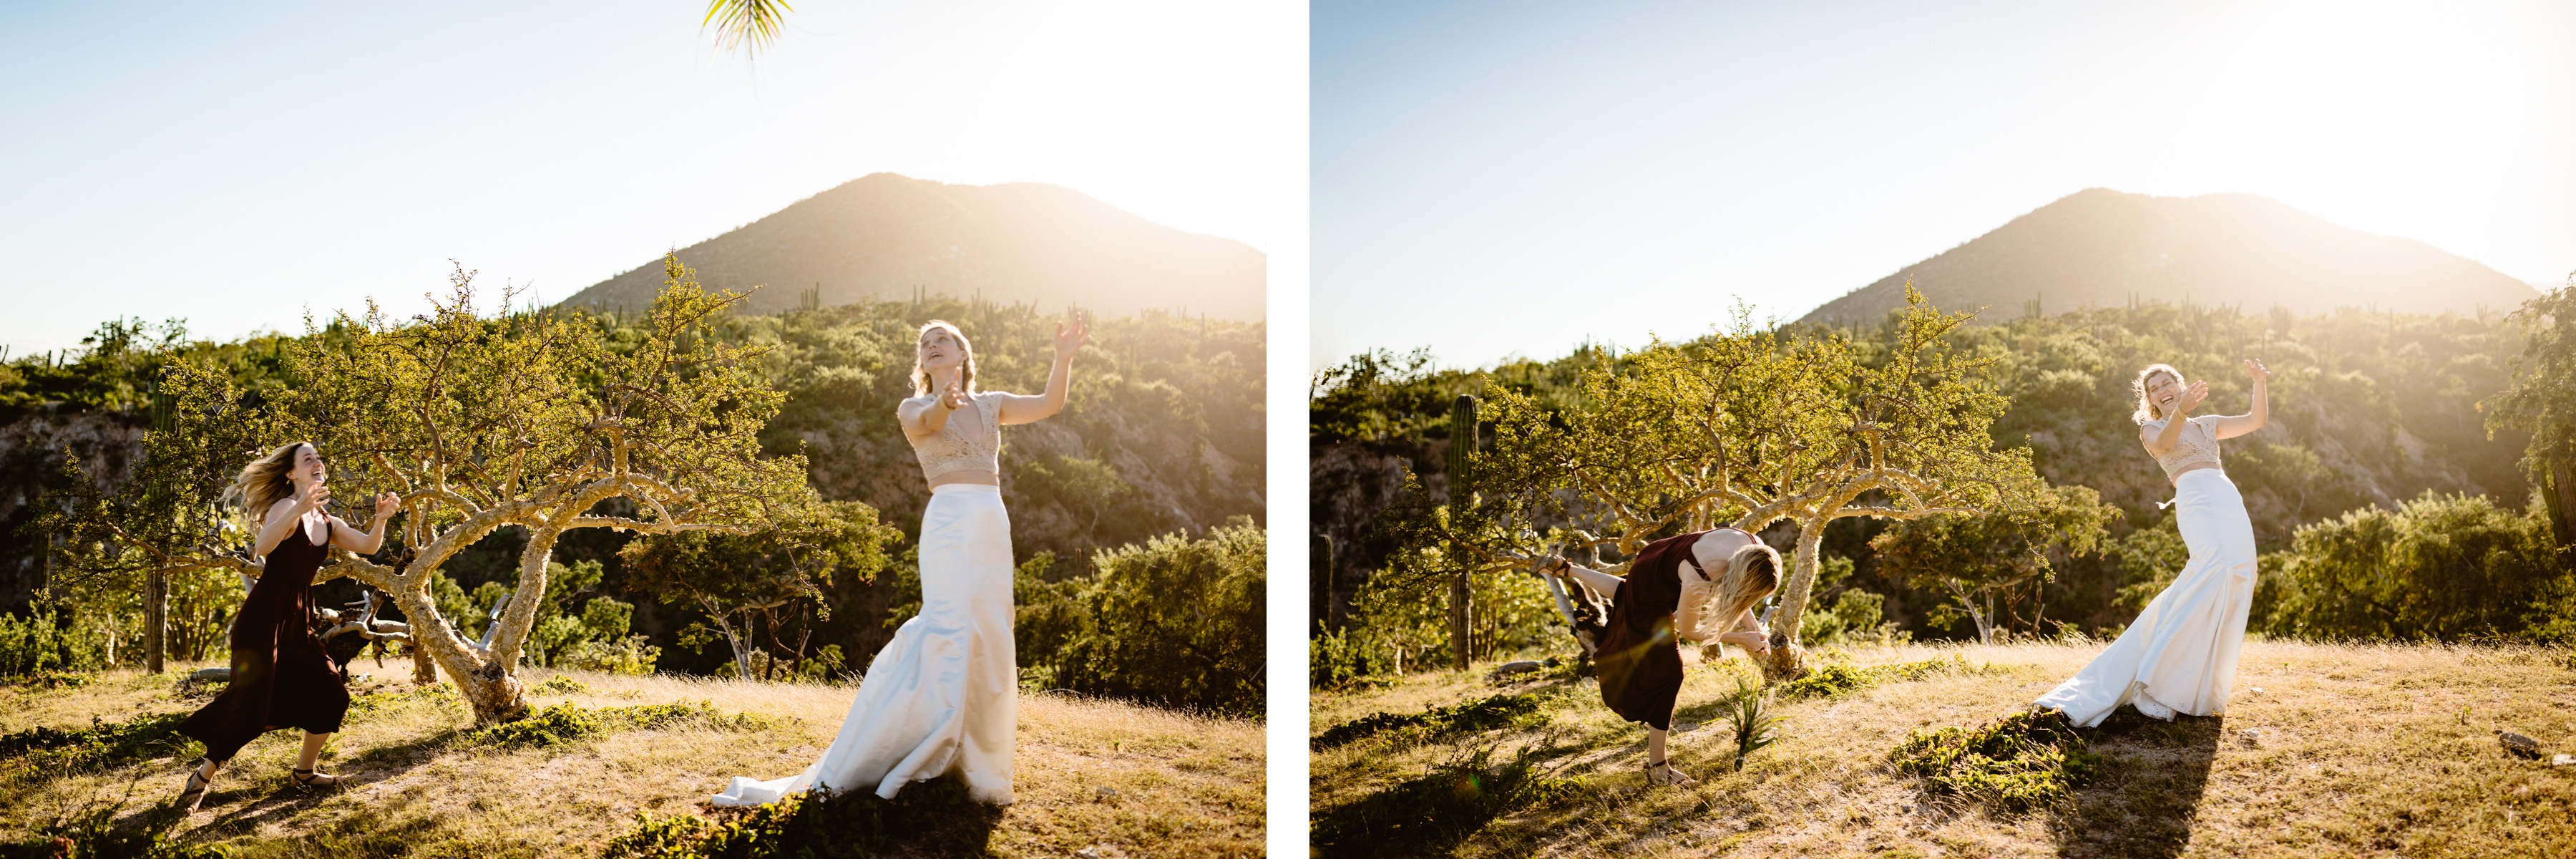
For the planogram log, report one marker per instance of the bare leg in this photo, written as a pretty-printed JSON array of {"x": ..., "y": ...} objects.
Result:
[
  {"x": 304, "y": 774},
  {"x": 1599, "y": 583},
  {"x": 1658, "y": 770},
  {"x": 1655, "y": 745}
]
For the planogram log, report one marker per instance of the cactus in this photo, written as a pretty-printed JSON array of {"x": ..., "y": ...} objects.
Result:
[{"x": 1462, "y": 490}]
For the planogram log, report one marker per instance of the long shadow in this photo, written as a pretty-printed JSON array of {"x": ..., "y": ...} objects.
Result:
[
  {"x": 244, "y": 808},
  {"x": 2145, "y": 791}
]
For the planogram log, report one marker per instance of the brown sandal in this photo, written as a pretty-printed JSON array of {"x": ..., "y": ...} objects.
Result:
[
  {"x": 1662, "y": 773},
  {"x": 309, "y": 778}
]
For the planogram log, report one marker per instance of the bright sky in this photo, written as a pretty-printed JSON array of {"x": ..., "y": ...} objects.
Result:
[
  {"x": 1514, "y": 178},
  {"x": 236, "y": 164}
]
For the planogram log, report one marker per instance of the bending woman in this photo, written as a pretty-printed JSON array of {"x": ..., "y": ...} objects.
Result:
[
  {"x": 939, "y": 697},
  {"x": 2179, "y": 656},
  {"x": 281, "y": 677},
  {"x": 1639, "y": 658}
]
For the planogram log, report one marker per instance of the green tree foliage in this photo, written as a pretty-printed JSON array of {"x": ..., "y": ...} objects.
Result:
[
  {"x": 2541, "y": 401},
  {"x": 2368, "y": 408},
  {"x": 1991, "y": 565},
  {"x": 479, "y": 423},
  {"x": 1747, "y": 427},
  {"x": 1176, "y": 621},
  {"x": 2437, "y": 567},
  {"x": 764, "y": 580}
]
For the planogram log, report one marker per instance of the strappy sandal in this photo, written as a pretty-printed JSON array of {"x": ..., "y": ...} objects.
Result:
[
  {"x": 1661, "y": 773},
  {"x": 195, "y": 792},
  {"x": 309, "y": 778}
]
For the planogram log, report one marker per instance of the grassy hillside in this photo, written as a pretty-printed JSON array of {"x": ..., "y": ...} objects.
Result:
[
  {"x": 1145, "y": 782},
  {"x": 2104, "y": 248},
  {"x": 2327, "y": 750}
]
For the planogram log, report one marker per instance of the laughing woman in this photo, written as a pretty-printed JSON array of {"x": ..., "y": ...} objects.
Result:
[
  {"x": 939, "y": 698},
  {"x": 281, "y": 678},
  {"x": 1657, "y": 603},
  {"x": 2179, "y": 656}
]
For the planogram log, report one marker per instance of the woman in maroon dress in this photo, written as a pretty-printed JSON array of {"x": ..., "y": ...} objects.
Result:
[{"x": 281, "y": 678}]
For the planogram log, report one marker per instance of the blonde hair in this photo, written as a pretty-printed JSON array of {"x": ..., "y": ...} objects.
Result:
[
  {"x": 921, "y": 374},
  {"x": 2147, "y": 410},
  {"x": 1752, "y": 573},
  {"x": 264, "y": 481}
]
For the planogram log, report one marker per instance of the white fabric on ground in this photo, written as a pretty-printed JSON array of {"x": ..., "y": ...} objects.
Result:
[
  {"x": 939, "y": 697},
  {"x": 2180, "y": 654}
]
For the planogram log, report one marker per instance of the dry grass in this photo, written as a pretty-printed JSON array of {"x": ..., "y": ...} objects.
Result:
[
  {"x": 2326, "y": 750},
  {"x": 1183, "y": 785}
]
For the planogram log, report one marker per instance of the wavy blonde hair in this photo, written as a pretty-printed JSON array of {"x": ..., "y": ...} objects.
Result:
[
  {"x": 2147, "y": 410},
  {"x": 921, "y": 374},
  {"x": 264, "y": 481}
]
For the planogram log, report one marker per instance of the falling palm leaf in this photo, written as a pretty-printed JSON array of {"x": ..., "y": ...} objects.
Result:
[
  {"x": 1755, "y": 727},
  {"x": 747, "y": 24}
]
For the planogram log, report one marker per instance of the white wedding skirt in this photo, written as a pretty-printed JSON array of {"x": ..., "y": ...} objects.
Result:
[
  {"x": 2180, "y": 654},
  {"x": 938, "y": 698}
]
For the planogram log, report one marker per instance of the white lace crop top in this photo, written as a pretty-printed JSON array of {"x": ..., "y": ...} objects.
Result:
[
  {"x": 2196, "y": 444},
  {"x": 970, "y": 441}
]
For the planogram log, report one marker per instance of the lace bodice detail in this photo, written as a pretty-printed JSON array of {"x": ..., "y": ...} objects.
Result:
[
  {"x": 964, "y": 444},
  {"x": 2196, "y": 444}
]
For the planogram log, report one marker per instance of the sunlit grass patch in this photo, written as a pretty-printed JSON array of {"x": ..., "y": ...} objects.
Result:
[
  {"x": 2028, "y": 760},
  {"x": 1478, "y": 715}
]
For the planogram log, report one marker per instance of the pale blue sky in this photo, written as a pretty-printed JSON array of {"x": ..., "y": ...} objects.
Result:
[
  {"x": 1502, "y": 178},
  {"x": 235, "y": 164}
]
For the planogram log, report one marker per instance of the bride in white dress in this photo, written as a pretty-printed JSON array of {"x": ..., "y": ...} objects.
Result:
[
  {"x": 2180, "y": 655},
  {"x": 940, "y": 697}
]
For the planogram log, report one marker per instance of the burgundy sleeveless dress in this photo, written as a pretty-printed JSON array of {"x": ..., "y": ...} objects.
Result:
[
  {"x": 1639, "y": 658},
  {"x": 281, "y": 677}
]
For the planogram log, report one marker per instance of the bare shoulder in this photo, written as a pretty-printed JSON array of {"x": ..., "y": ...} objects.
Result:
[
  {"x": 283, "y": 509},
  {"x": 1721, "y": 544}
]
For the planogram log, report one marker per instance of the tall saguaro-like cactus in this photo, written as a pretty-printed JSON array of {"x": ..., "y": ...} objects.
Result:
[{"x": 1462, "y": 492}]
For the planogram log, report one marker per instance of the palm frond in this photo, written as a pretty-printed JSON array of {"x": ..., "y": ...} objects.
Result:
[{"x": 747, "y": 24}]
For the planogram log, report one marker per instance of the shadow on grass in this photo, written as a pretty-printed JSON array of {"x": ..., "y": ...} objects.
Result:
[
  {"x": 2146, "y": 790},
  {"x": 932, "y": 818},
  {"x": 1434, "y": 813}
]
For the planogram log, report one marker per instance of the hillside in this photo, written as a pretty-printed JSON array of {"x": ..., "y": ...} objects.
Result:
[
  {"x": 2326, "y": 750},
  {"x": 1090, "y": 774},
  {"x": 888, "y": 236},
  {"x": 2105, "y": 248}
]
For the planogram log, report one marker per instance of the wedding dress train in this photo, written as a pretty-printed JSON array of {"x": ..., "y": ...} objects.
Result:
[
  {"x": 2180, "y": 655},
  {"x": 939, "y": 697}
]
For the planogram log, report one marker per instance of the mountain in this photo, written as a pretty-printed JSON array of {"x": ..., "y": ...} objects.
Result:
[
  {"x": 2104, "y": 248},
  {"x": 884, "y": 235}
]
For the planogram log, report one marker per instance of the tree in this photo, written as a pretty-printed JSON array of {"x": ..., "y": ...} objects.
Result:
[
  {"x": 2541, "y": 400},
  {"x": 1747, "y": 427},
  {"x": 742, "y": 579},
  {"x": 523, "y": 419},
  {"x": 1982, "y": 561}
]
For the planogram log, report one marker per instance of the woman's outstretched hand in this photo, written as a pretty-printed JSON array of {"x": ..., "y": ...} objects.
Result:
[
  {"x": 386, "y": 504},
  {"x": 1070, "y": 335},
  {"x": 2193, "y": 396},
  {"x": 954, "y": 397},
  {"x": 313, "y": 499},
  {"x": 2254, "y": 368}
]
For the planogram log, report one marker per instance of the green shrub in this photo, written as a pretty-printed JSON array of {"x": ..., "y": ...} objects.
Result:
[
  {"x": 566, "y": 724},
  {"x": 2439, "y": 567},
  {"x": 1176, "y": 622},
  {"x": 1755, "y": 726},
  {"x": 1835, "y": 680},
  {"x": 560, "y": 685},
  {"x": 935, "y": 817},
  {"x": 2023, "y": 762},
  {"x": 1477, "y": 715},
  {"x": 99, "y": 745}
]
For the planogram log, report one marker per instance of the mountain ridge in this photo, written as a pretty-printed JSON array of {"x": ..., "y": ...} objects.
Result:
[
  {"x": 2101, "y": 247},
  {"x": 885, "y": 235}
]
